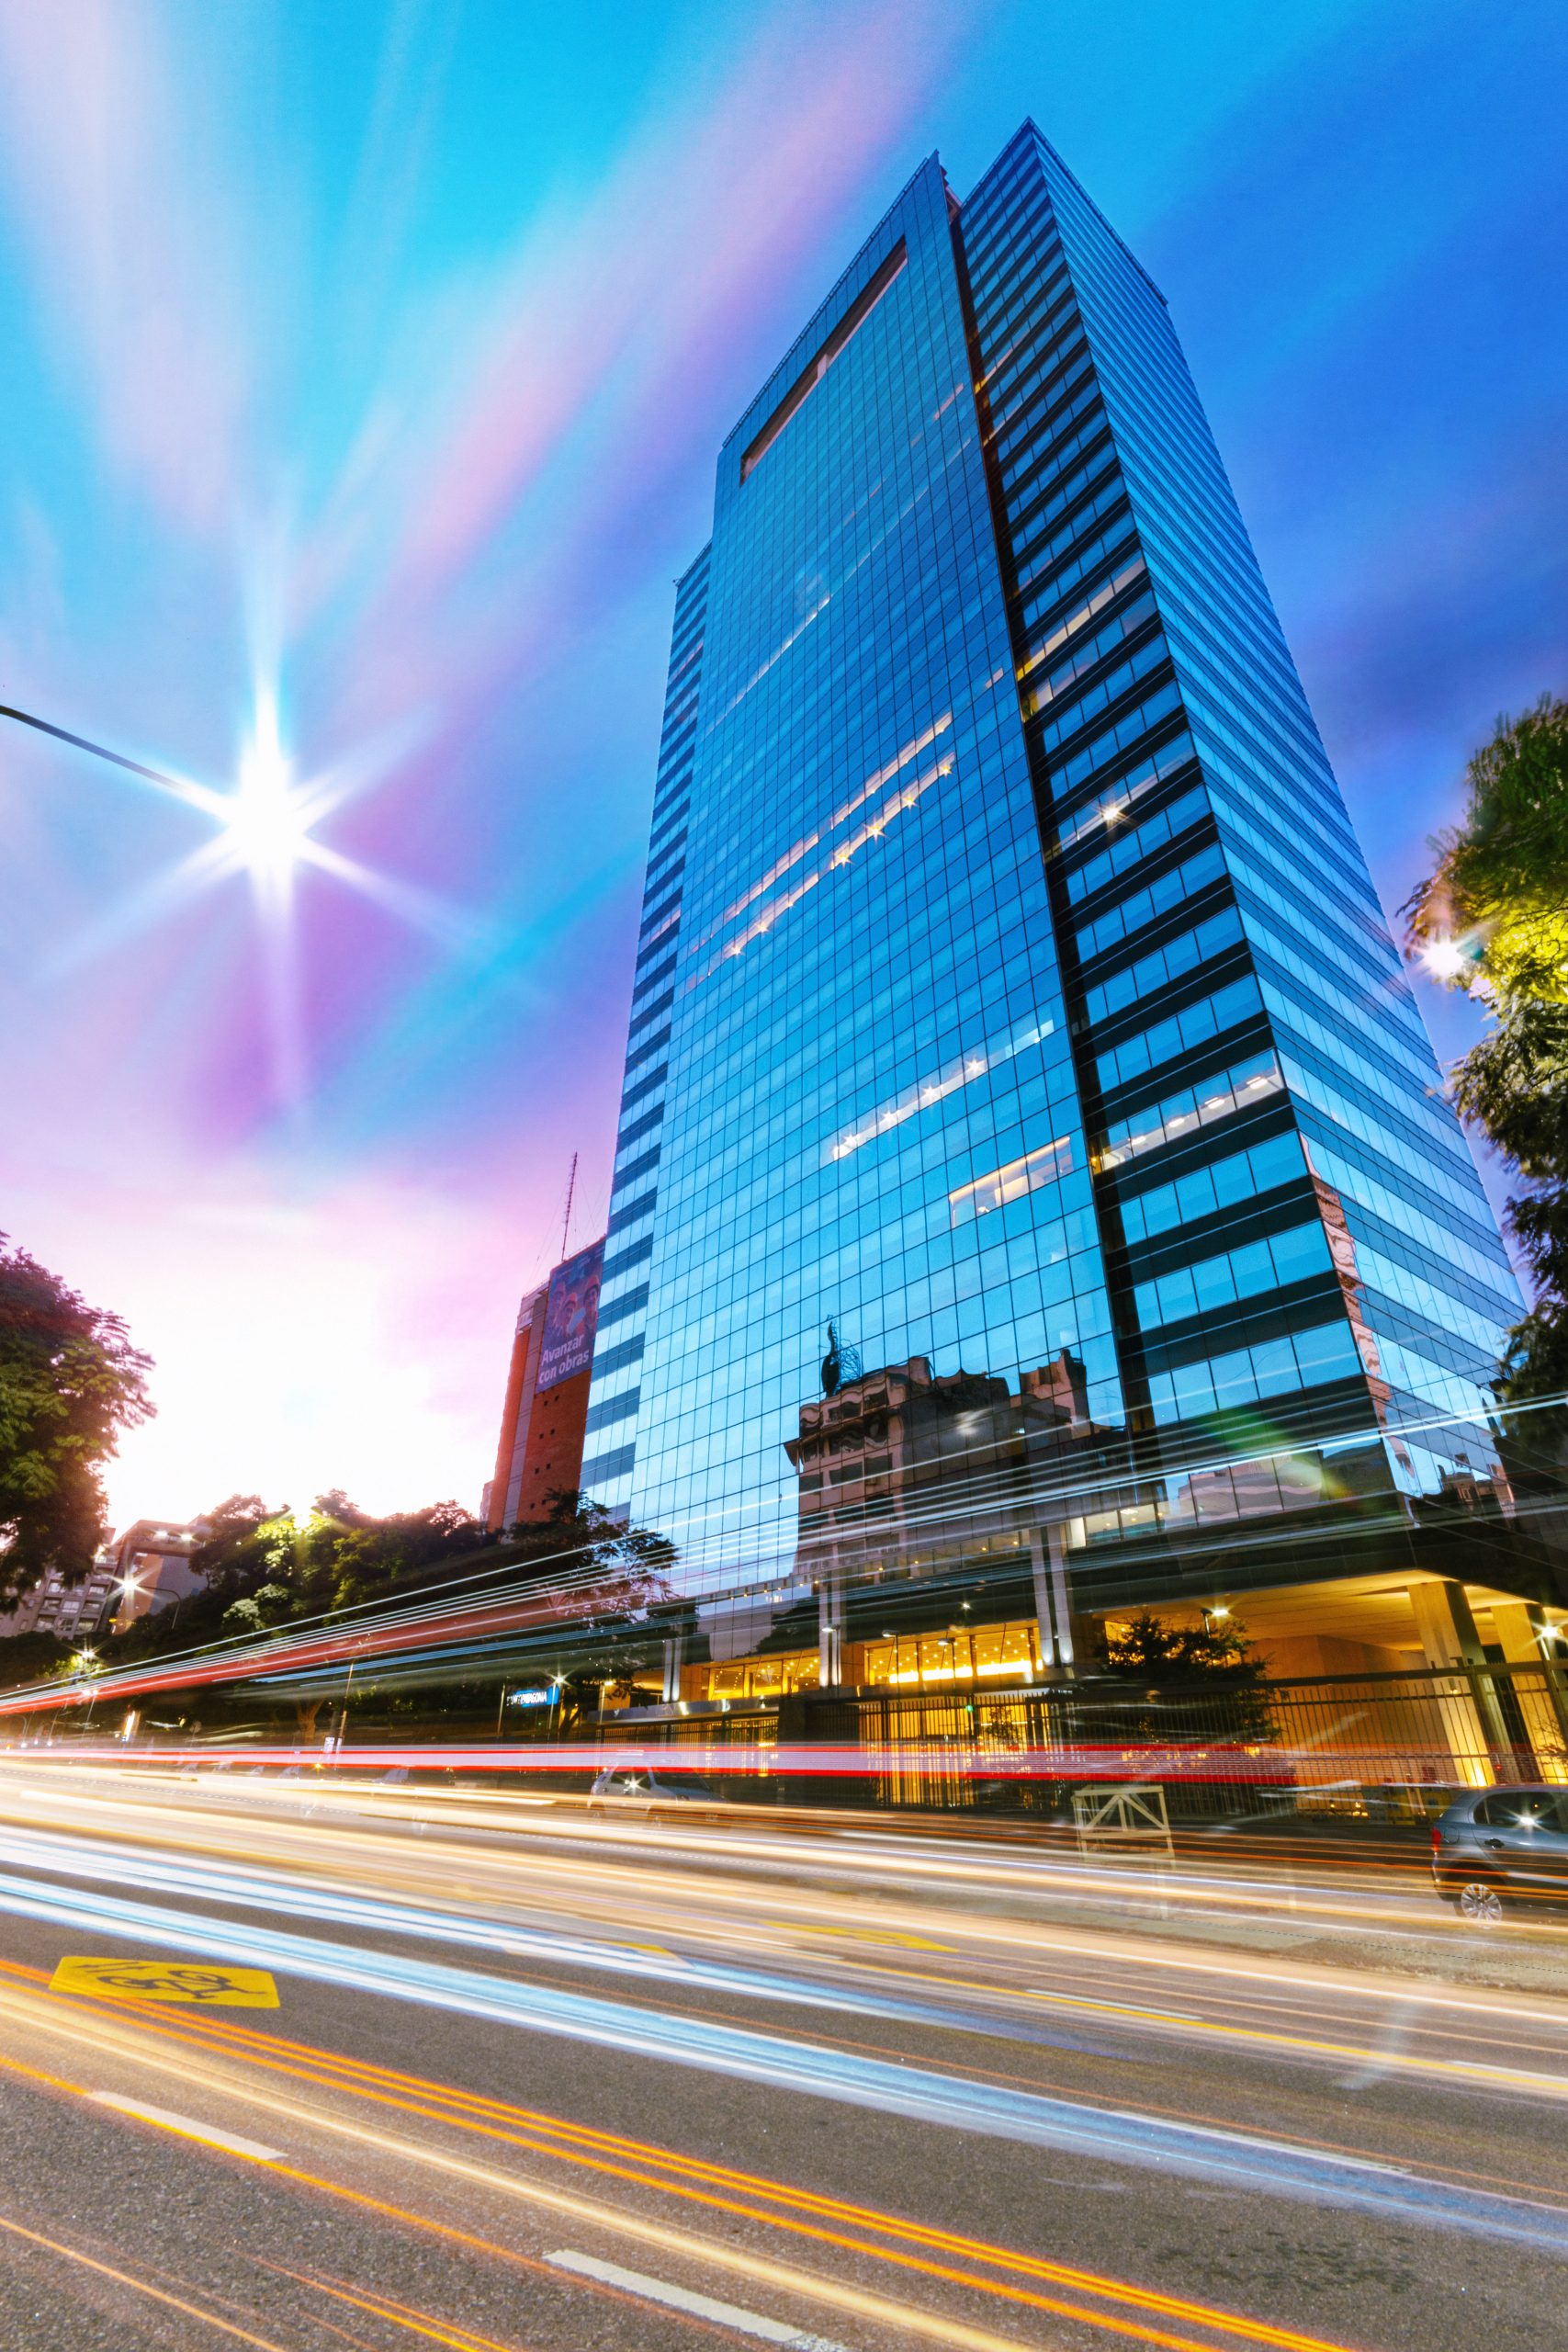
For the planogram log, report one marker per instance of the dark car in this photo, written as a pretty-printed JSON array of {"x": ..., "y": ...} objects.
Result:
[
  {"x": 1495, "y": 1846},
  {"x": 636, "y": 1789}
]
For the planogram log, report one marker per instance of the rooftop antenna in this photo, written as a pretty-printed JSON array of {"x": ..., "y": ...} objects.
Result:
[{"x": 566, "y": 1221}]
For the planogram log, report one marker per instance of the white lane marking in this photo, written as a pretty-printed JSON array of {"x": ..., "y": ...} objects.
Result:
[
  {"x": 681, "y": 2299},
  {"x": 188, "y": 2127}
]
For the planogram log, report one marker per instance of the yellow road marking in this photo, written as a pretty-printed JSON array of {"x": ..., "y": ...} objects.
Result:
[
  {"x": 860, "y": 1934},
  {"x": 207, "y": 1984},
  {"x": 404, "y": 2315},
  {"x": 914, "y": 2321}
]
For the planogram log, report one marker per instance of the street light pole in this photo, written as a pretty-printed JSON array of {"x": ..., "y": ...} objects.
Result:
[
  {"x": 84, "y": 743},
  {"x": 86, "y": 1658},
  {"x": 343, "y": 1719}
]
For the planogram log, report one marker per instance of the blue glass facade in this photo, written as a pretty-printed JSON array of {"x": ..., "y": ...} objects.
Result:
[{"x": 1012, "y": 993}]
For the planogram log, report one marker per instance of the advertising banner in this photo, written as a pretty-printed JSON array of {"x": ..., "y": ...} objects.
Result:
[{"x": 571, "y": 1317}]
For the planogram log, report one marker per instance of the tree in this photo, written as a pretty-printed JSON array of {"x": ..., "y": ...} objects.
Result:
[
  {"x": 1175, "y": 1666},
  {"x": 1492, "y": 919},
  {"x": 1495, "y": 902},
  {"x": 70, "y": 1383},
  {"x": 261, "y": 1569},
  {"x": 29, "y": 1658},
  {"x": 256, "y": 1613},
  {"x": 348, "y": 1558}
]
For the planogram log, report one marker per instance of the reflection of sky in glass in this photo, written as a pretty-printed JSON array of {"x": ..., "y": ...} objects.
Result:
[
  {"x": 836, "y": 1078},
  {"x": 878, "y": 515}
]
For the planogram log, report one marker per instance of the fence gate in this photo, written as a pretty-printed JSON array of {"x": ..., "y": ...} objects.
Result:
[{"x": 1127, "y": 1818}]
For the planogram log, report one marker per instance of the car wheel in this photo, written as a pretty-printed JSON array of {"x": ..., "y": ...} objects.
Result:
[{"x": 1480, "y": 1905}]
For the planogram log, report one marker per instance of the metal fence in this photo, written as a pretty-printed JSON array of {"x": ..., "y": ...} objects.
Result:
[{"x": 1309, "y": 1744}]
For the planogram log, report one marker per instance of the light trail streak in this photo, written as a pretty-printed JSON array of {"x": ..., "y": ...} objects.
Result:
[
  {"x": 713, "y": 1566},
  {"x": 141, "y": 2285},
  {"x": 644, "y": 1903},
  {"x": 1219, "y": 2154},
  {"x": 402, "y": 2316},
  {"x": 630, "y": 1891},
  {"x": 474, "y": 2111},
  {"x": 373, "y": 1861},
  {"x": 254, "y": 1889},
  {"x": 711, "y": 2254},
  {"x": 662, "y": 1855},
  {"x": 1116, "y": 1760},
  {"x": 1212, "y": 1899}
]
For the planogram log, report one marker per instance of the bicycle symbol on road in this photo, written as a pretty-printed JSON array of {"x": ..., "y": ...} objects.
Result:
[
  {"x": 188, "y": 1983},
  {"x": 168, "y": 1980}
]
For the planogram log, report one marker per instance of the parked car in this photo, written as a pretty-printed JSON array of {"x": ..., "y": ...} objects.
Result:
[
  {"x": 637, "y": 1790},
  {"x": 1410, "y": 1804},
  {"x": 1495, "y": 1846}
]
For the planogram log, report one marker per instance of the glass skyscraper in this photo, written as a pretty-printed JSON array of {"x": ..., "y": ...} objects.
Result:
[{"x": 1013, "y": 999}]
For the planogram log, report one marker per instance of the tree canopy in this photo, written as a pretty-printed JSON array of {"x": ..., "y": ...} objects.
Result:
[
  {"x": 1176, "y": 1668},
  {"x": 1497, "y": 896},
  {"x": 70, "y": 1383},
  {"x": 265, "y": 1568},
  {"x": 1492, "y": 919}
]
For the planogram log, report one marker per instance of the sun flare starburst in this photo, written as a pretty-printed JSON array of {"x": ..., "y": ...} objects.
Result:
[
  {"x": 267, "y": 819},
  {"x": 263, "y": 831}
]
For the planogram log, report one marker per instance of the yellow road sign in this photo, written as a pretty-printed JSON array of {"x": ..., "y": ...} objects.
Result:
[{"x": 213, "y": 1984}]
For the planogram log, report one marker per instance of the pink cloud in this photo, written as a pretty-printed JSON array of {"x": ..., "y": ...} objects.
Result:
[{"x": 352, "y": 1332}]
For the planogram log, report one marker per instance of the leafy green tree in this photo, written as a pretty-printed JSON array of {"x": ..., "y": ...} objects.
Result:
[
  {"x": 1178, "y": 1669},
  {"x": 256, "y": 1613},
  {"x": 262, "y": 1568},
  {"x": 1492, "y": 919},
  {"x": 243, "y": 1546},
  {"x": 348, "y": 1558},
  {"x": 70, "y": 1384},
  {"x": 614, "y": 1566},
  {"x": 1496, "y": 899}
]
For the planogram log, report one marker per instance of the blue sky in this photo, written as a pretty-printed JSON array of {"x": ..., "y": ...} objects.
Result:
[{"x": 382, "y": 352}]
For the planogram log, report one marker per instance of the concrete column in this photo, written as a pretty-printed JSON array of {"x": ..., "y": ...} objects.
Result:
[
  {"x": 1469, "y": 1721},
  {"x": 1543, "y": 1702},
  {"x": 830, "y": 1631},
  {"x": 1053, "y": 1596},
  {"x": 1445, "y": 1624},
  {"x": 674, "y": 1649}
]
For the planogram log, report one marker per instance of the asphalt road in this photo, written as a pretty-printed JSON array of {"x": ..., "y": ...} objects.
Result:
[{"x": 539, "y": 2081}]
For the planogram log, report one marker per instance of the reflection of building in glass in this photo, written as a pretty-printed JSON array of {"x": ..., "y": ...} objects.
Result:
[
  {"x": 908, "y": 1474},
  {"x": 881, "y": 1446},
  {"x": 543, "y": 1421},
  {"x": 1011, "y": 989},
  {"x": 154, "y": 1569}
]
